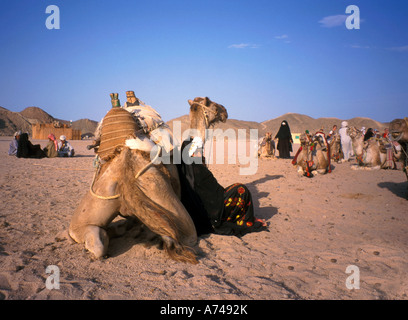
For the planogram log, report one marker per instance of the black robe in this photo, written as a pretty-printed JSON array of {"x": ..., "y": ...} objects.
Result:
[
  {"x": 212, "y": 208},
  {"x": 369, "y": 134},
  {"x": 285, "y": 141},
  {"x": 27, "y": 150}
]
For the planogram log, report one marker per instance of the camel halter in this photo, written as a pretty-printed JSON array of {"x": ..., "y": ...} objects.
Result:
[
  {"x": 140, "y": 172},
  {"x": 205, "y": 111}
]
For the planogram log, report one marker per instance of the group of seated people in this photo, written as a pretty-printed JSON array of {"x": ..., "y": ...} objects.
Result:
[{"x": 21, "y": 147}]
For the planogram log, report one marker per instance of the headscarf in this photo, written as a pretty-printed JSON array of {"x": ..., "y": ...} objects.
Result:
[
  {"x": 369, "y": 134},
  {"x": 18, "y": 133},
  {"x": 53, "y": 139},
  {"x": 284, "y": 131}
]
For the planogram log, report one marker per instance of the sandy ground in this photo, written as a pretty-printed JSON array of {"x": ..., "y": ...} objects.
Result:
[{"x": 317, "y": 228}]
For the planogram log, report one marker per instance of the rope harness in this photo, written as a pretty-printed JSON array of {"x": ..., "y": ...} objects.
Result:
[{"x": 205, "y": 110}]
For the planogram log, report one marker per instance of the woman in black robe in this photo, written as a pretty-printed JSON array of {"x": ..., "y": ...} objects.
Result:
[
  {"x": 285, "y": 140},
  {"x": 27, "y": 150},
  {"x": 369, "y": 134},
  {"x": 214, "y": 209}
]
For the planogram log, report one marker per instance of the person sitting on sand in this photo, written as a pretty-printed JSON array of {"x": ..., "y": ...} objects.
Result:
[
  {"x": 213, "y": 208},
  {"x": 14, "y": 144},
  {"x": 28, "y": 150},
  {"x": 64, "y": 148},
  {"x": 51, "y": 149}
]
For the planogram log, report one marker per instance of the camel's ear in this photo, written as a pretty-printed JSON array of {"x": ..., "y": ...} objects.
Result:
[
  {"x": 190, "y": 102},
  {"x": 207, "y": 101}
]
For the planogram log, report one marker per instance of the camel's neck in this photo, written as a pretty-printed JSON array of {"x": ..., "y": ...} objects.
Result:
[
  {"x": 198, "y": 122},
  {"x": 359, "y": 139}
]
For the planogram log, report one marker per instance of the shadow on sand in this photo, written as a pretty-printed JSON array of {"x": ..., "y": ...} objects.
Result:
[
  {"x": 399, "y": 189},
  {"x": 262, "y": 212}
]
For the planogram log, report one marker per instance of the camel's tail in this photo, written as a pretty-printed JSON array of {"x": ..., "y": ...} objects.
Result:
[{"x": 178, "y": 252}]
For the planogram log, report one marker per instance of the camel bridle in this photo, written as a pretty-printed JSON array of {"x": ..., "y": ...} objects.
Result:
[{"x": 206, "y": 110}]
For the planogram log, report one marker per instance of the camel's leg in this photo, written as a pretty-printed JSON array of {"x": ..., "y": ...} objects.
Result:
[
  {"x": 96, "y": 241},
  {"x": 162, "y": 195},
  {"x": 155, "y": 186},
  {"x": 159, "y": 220},
  {"x": 89, "y": 222},
  {"x": 153, "y": 201},
  {"x": 174, "y": 179}
]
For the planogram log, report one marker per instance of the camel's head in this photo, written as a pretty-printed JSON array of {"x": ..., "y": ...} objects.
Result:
[
  {"x": 335, "y": 138},
  {"x": 318, "y": 140},
  {"x": 399, "y": 130},
  {"x": 354, "y": 133},
  {"x": 213, "y": 112},
  {"x": 304, "y": 140}
]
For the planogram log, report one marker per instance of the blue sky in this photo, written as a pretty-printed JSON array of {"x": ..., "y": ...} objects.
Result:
[{"x": 260, "y": 59}]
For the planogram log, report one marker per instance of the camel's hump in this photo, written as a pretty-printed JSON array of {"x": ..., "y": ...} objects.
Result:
[{"x": 117, "y": 126}]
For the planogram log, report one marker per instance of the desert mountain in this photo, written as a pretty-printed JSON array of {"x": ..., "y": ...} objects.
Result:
[
  {"x": 36, "y": 115},
  {"x": 298, "y": 123},
  {"x": 10, "y": 121}
]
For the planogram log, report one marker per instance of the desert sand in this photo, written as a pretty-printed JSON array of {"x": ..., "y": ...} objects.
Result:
[{"x": 317, "y": 228}]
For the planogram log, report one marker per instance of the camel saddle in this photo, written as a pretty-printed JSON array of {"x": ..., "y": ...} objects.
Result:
[{"x": 118, "y": 125}]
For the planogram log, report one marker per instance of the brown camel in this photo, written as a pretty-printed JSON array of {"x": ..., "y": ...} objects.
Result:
[
  {"x": 336, "y": 153},
  {"x": 399, "y": 133},
  {"x": 205, "y": 113},
  {"x": 357, "y": 141},
  {"x": 399, "y": 130},
  {"x": 372, "y": 153},
  {"x": 128, "y": 184},
  {"x": 266, "y": 148},
  {"x": 313, "y": 156}
]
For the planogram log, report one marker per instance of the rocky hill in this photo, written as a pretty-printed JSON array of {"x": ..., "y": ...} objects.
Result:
[
  {"x": 298, "y": 123},
  {"x": 10, "y": 122},
  {"x": 36, "y": 115}
]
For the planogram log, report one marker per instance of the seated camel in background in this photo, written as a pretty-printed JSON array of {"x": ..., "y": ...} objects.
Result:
[
  {"x": 399, "y": 133},
  {"x": 313, "y": 156},
  {"x": 128, "y": 183},
  {"x": 336, "y": 153},
  {"x": 372, "y": 153},
  {"x": 266, "y": 147}
]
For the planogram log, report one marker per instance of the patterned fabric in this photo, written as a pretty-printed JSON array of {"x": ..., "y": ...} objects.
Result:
[
  {"x": 238, "y": 215},
  {"x": 238, "y": 205},
  {"x": 389, "y": 163}
]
